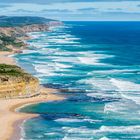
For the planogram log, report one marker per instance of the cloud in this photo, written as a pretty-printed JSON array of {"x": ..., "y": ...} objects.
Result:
[
  {"x": 86, "y": 9},
  {"x": 74, "y": 9},
  {"x": 4, "y": 6},
  {"x": 58, "y": 1},
  {"x": 22, "y": 11},
  {"x": 56, "y": 11},
  {"x": 114, "y": 9}
]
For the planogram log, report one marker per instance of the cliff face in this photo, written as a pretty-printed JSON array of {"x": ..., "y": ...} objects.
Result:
[
  {"x": 14, "y": 82},
  {"x": 19, "y": 89}
]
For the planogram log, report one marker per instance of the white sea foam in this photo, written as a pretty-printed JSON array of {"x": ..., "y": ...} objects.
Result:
[
  {"x": 104, "y": 138},
  {"x": 60, "y": 65},
  {"x": 63, "y": 41},
  {"x": 23, "y": 130},
  {"x": 35, "y": 35},
  {"x": 123, "y": 107},
  {"x": 91, "y": 58},
  {"x": 80, "y": 130},
  {"x": 68, "y": 120},
  {"x": 89, "y": 61},
  {"x": 103, "y": 130},
  {"x": 127, "y": 89},
  {"x": 113, "y": 107},
  {"x": 76, "y": 120},
  {"x": 50, "y": 134},
  {"x": 102, "y": 94},
  {"x": 92, "y": 121},
  {"x": 129, "y": 92},
  {"x": 65, "y": 59},
  {"x": 115, "y": 71},
  {"x": 28, "y": 51},
  {"x": 49, "y": 69},
  {"x": 43, "y": 69},
  {"x": 99, "y": 83},
  {"x": 75, "y": 138},
  {"x": 120, "y": 129},
  {"x": 125, "y": 85}
]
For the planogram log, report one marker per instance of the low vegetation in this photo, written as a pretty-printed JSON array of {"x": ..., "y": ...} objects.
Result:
[
  {"x": 8, "y": 72},
  {"x": 7, "y": 21},
  {"x": 5, "y": 41}
]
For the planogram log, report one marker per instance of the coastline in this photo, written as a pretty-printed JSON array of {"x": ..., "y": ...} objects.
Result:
[
  {"x": 6, "y": 59},
  {"x": 14, "y": 40},
  {"x": 11, "y": 120}
]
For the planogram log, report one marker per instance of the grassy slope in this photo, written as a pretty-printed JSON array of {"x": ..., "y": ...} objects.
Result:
[
  {"x": 7, "y": 21},
  {"x": 12, "y": 71},
  {"x": 7, "y": 40},
  {"x": 21, "y": 21}
]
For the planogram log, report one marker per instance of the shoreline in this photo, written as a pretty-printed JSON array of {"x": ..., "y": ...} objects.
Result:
[
  {"x": 5, "y": 58},
  {"x": 10, "y": 117}
]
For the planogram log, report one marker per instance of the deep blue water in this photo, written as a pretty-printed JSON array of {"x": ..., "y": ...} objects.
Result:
[{"x": 97, "y": 65}]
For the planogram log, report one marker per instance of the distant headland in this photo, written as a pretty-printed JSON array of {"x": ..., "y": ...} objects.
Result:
[{"x": 13, "y": 30}]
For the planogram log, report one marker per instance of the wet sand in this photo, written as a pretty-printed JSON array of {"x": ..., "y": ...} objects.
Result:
[{"x": 10, "y": 120}]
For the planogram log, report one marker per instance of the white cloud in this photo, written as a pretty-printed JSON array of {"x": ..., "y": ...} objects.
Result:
[{"x": 72, "y": 9}]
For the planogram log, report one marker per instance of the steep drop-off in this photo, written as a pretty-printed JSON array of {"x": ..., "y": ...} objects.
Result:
[{"x": 15, "y": 82}]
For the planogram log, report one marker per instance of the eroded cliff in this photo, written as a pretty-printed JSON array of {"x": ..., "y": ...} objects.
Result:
[{"x": 15, "y": 82}]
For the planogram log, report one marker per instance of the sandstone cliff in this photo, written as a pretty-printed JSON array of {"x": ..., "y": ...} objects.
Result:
[{"x": 15, "y": 82}]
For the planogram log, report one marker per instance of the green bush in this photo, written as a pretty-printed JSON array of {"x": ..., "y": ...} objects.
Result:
[{"x": 14, "y": 71}]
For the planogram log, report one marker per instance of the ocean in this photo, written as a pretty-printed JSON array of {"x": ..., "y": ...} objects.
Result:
[{"x": 96, "y": 65}]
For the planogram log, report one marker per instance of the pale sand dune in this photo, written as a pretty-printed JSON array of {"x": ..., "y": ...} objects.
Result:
[
  {"x": 5, "y": 59},
  {"x": 8, "y": 116}
]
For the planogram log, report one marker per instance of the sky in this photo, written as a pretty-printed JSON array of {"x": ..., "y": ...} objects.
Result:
[{"x": 74, "y": 10}]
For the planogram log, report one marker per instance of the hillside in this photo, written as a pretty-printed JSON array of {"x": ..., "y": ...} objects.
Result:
[
  {"x": 7, "y": 43},
  {"x": 14, "y": 29},
  {"x": 15, "y": 82},
  {"x": 7, "y": 21}
]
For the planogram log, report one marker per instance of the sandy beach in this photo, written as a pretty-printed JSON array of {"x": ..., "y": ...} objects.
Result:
[
  {"x": 9, "y": 118},
  {"x": 6, "y": 59}
]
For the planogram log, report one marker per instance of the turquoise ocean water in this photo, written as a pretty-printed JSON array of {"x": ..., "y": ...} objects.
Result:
[{"x": 97, "y": 66}]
